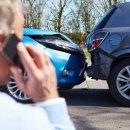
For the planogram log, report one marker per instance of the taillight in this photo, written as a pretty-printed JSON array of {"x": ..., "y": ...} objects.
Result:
[
  {"x": 95, "y": 40},
  {"x": 95, "y": 44}
]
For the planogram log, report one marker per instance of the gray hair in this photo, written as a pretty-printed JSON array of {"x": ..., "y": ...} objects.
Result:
[{"x": 8, "y": 11}]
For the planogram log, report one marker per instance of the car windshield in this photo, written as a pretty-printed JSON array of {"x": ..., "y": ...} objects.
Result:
[{"x": 102, "y": 22}]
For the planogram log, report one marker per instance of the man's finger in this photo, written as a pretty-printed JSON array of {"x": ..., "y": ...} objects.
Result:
[
  {"x": 26, "y": 59},
  {"x": 40, "y": 57}
]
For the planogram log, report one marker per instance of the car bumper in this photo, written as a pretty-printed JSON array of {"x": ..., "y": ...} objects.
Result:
[
  {"x": 69, "y": 67},
  {"x": 100, "y": 67}
]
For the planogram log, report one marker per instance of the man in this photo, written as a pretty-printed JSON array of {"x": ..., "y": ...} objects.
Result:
[{"x": 49, "y": 111}]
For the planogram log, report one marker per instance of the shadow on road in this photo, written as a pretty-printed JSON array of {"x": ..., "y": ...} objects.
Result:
[{"x": 89, "y": 97}]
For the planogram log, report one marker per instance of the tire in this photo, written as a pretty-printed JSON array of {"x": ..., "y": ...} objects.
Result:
[
  {"x": 119, "y": 82},
  {"x": 13, "y": 90}
]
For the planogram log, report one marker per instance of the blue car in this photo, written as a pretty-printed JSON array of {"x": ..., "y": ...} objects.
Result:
[
  {"x": 109, "y": 47},
  {"x": 66, "y": 56}
]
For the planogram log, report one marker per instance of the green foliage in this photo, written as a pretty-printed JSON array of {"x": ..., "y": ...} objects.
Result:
[
  {"x": 87, "y": 54},
  {"x": 78, "y": 37}
]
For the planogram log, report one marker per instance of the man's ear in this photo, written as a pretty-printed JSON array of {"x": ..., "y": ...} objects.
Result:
[{"x": 2, "y": 39}]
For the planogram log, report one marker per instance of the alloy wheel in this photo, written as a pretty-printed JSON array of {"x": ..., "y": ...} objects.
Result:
[
  {"x": 123, "y": 82},
  {"x": 15, "y": 91}
]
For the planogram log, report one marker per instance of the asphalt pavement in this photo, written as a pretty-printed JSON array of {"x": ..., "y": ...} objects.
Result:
[{"x": 92, "y": 108}]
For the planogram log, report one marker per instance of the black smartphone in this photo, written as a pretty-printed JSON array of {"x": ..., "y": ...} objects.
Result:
[{"x": 9, "y": 50}]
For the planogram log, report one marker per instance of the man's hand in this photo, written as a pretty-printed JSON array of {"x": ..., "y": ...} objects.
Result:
[{"x": 41, "y": 84}]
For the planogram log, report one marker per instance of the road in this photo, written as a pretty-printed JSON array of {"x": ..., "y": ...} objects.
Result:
[{"x": 94, "y": 109}]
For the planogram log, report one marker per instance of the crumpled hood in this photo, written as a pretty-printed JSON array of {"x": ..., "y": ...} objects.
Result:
[{"x": 29, "y": 31}]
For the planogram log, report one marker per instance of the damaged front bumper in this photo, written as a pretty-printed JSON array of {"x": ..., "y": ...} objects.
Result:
[{"x": 100, "y": 66}]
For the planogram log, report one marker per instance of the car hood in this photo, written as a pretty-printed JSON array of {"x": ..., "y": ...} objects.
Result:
[{"x": 30, "y": 31}]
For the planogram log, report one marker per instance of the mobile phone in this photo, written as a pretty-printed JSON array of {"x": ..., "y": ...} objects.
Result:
[{"x": 9, "y": 50}]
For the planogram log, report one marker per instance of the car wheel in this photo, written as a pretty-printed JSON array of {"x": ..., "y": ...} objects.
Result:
[
  {"x": 119, "y": 82},
  {"x": 14, "y": 91}
]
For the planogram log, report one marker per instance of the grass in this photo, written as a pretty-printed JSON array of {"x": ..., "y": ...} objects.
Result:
[{"x": 87, "y": 54}]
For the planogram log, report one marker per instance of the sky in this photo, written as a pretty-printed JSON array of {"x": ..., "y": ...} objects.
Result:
[{"x": 52, "y": 3}]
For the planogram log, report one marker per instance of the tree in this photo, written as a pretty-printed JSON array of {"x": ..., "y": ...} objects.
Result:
[
  {"x": 74, "y": 22},
  {"x": 34, "y": 15},
  {"x": 82, "y": 16},
  {"x": 104, "y": 5},
  {"x": 57, "y": 14},
  {"x": 87, "y": 15}
]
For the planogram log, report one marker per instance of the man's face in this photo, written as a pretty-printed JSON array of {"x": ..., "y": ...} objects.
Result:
[{"x": 4, "y": 65}]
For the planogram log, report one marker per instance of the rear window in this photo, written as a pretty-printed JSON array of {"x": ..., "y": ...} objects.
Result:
[
  {"x": 121, "y": 18},
  {"x": 102, "y": 22}
]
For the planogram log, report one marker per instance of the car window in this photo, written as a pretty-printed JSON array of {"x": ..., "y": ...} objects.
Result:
[
  {"x": 121, "y": 17},
  {"x": 102, "y": 22}
]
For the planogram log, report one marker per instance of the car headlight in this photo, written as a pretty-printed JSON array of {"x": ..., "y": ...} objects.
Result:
[
  {"x": 63, "y": 44},
  {"x": 59, "y": 45}
]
